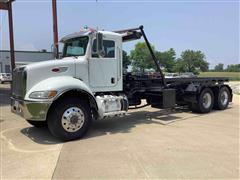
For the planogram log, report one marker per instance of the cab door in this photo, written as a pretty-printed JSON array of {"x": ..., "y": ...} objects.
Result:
[{"x": 103, "y": 70}]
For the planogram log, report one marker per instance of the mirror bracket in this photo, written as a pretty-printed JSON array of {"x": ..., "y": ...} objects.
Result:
[{"x": 100, "y": 48}]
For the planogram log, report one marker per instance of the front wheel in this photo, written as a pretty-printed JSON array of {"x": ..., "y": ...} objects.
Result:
[
  {"x": 205, "y": 102},
  {"x": 69, "y": 119}
]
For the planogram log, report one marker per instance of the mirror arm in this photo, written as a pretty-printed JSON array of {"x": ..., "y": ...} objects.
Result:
[{"x": 99, "y": 44}]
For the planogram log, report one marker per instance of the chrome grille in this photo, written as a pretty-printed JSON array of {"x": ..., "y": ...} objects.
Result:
[{"x": 19, "y": 77}]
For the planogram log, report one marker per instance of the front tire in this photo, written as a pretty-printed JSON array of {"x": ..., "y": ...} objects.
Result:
[
  {"x": 205, "y": 102},
  {"x": 69, "y": 119}
]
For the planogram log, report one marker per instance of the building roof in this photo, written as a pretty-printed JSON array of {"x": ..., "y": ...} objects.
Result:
[{"x": 26, "y": 51}]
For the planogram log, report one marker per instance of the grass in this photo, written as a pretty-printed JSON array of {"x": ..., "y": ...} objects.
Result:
[{"x": 234, "y": 76}]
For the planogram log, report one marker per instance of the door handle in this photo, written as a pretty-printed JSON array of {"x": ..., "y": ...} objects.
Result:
[{"x": 113, "y": 80}]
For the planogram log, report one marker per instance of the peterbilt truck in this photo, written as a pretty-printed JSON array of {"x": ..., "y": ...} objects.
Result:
[{"x": 88, "y": 83}]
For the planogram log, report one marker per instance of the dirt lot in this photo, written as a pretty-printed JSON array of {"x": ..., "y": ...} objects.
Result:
[{"x": 146, "y": 144}]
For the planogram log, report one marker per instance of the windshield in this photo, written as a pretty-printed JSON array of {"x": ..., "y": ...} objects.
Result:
[{"x": 75, "y": 47}]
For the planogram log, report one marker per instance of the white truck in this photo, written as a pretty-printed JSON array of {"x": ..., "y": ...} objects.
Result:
[
  {"x": 5, "y": 77},
  {"x": 88, "y": 83}
]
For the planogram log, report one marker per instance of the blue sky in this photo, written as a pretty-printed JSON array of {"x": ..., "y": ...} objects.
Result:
[{"x": 209, "y": 26}]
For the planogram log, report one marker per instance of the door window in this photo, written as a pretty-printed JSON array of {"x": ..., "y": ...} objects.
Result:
[{"x": 109, "y": 49}]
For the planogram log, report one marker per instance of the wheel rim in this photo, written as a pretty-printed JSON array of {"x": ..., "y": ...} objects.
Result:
[
  {"x": 73, "y": 119},
  {"x": 224, "y": 98},
  {"x": 207, "y": 100}
]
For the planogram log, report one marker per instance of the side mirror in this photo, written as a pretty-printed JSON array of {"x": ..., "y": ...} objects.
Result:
[{"x": 100, "y": 49}]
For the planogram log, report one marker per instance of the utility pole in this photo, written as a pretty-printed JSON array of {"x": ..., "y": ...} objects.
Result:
[
  {"x": 55, "y": 28},
  {"x": 7, "y": 5}
]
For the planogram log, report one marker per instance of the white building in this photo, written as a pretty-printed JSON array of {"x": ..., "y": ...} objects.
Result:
[{"x": 21, "y": 58}]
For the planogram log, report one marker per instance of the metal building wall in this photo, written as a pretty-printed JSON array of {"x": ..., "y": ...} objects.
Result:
[{"x": 22, "y": 57}]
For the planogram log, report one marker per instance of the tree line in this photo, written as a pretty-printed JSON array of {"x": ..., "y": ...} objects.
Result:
[
  {"x": 230, "y": 68},
  {"x": 140, "y": 59}
]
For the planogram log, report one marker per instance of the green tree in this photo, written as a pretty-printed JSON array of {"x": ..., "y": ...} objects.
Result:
[
  {"x": 233, "y": 68},
  {"x": 180, "y": 66},
  {"x": 141, "y": 57},
  {"x": 219, "y": 67},
  {"x": 191, "y": 61},
  {"x": 126, "y": 59},
  {"x": 167, "y": 59}
]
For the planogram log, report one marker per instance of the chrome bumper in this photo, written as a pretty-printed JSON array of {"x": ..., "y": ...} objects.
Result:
[{"x": 30, "y": 110}]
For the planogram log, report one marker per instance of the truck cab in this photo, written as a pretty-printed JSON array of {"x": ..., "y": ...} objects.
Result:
[
  {"x": 99, "y": 66},
  {"x": 89, "y": 72}
]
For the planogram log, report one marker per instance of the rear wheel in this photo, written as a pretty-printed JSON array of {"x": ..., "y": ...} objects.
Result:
[
  {"x": 69, "y": 119},
  {"x": 222, "y": 99},
  {"x": 37, "y": 124},
  {"x": 205, "y": 102}
]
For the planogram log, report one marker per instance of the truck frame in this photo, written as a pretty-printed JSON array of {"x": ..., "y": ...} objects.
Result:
[{"x": 88, "y": 83}]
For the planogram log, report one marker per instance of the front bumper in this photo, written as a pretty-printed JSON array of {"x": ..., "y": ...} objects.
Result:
[{"x": 30, "y": 110}]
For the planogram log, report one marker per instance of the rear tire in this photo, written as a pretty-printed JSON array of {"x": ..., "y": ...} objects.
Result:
[
  {"x": 69, "y": 119},
  {"x": 222, "y": 98},
  {"x": 37, "y": 124},
  {"x": 205, "y": 102}
]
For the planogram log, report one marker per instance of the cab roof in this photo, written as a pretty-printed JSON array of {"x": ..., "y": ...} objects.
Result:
[
  {"x": 86, "y": 32},
  {"x": 77, "y": 34}
]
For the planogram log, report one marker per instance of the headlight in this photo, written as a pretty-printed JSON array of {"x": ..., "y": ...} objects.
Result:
[{"x": 43, "y": 94}]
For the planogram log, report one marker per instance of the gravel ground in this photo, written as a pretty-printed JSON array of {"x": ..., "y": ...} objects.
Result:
[{"x": 235, "y": 85}]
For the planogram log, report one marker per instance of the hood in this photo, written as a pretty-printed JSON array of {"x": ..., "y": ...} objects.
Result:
[{"x": 39, "y": 71}]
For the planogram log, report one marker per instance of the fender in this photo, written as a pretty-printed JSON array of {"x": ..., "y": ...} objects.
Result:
[{"x": 61, "y": 84}]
